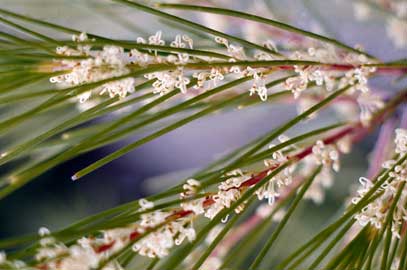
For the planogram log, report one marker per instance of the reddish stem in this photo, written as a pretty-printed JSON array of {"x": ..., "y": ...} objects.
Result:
[
  {"x": 249, "y": 224},
  {"x": 390, "y": 70},
  {"x": 358, "y": 130},
  {"x": 105, "y": 247}
]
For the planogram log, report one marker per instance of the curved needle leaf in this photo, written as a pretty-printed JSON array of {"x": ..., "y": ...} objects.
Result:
[
  {"x": 197, "y": 26},
  {"x": 259, "y": 19}
]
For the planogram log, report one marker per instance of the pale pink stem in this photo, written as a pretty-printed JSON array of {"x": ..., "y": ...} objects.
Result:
[{"x": 381, "y": 147}]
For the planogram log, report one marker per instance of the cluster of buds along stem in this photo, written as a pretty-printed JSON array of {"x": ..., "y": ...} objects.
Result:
[
  {"x": 111, "y": 61},
  {"x": 376, "y": 212}
]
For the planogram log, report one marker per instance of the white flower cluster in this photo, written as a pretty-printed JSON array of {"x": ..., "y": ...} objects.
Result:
[
  {"x": 259, "y": 84},
  {"x": 209, "y": 79},
  {"x": 167, "y": 81},
  {"x": 165, "y": 234},
  {"x": 328, "y": 156},
  {"x": 356, "y": 77},
  {"x": 168, "y": 229},
  {"x": 113, "y": 61},
  {"x": 270, "y": 190},
  {"x": 98, "y": 65},
  {"x": 375, "y": 213},
  {"x": 308, "y": 74},
  {"x": 332, "y": 78},
  {"x": 236, "y": 52},
  {"x": 197, "y": 205},
  {"x": 164, "y": 230},
  {"x": 228, "y": 192},
  {"x": 85, "y": 254}
]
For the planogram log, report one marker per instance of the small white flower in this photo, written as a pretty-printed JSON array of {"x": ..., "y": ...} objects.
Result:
[
  {"x": 366, "y": 184},
  {"x": 195, "y": 206},
  {"x": 107, "y": 63},
  {"x": 80, "y": 38},
  {"x": 43, "y": 231},
  {"x": 296, "y": 85},
  {"x": 214, "y": 209},
  {"x": 145, "y": 204},
  {"x": 221, "y": 40},
  {"x": 156, "y": 39},
  {"x": 150, "y": 220},
  {"x": 234, "y": 179},
  {"x": 326, "y": 155},
  {"x": 237, "y": 52},
  {"x": 357, "y": 78},
  {"x": 399, "y": 172},
  {"x": 268, "y": 191},
  {"x": 178, "y": 42},
  {"x": 216, "y": 76},
  {"x": 201, "y": 78},
  {"x": 190, "y": 187},
  {"x": 228, "y": 192},
  {"x": 158, "y": 242},
  {"x": 259, "y": 84}
]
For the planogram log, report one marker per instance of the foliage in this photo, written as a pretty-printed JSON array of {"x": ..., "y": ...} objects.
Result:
[{"x": 69, "y": 87}]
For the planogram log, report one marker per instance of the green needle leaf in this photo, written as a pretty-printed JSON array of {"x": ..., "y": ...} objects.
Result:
[
  {"x": 259, "y": 19},
  {"x": 281, "y": 225}
]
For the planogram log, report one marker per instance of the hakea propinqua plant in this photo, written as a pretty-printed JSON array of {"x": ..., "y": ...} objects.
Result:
[{"x": 215, "y": 218}]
